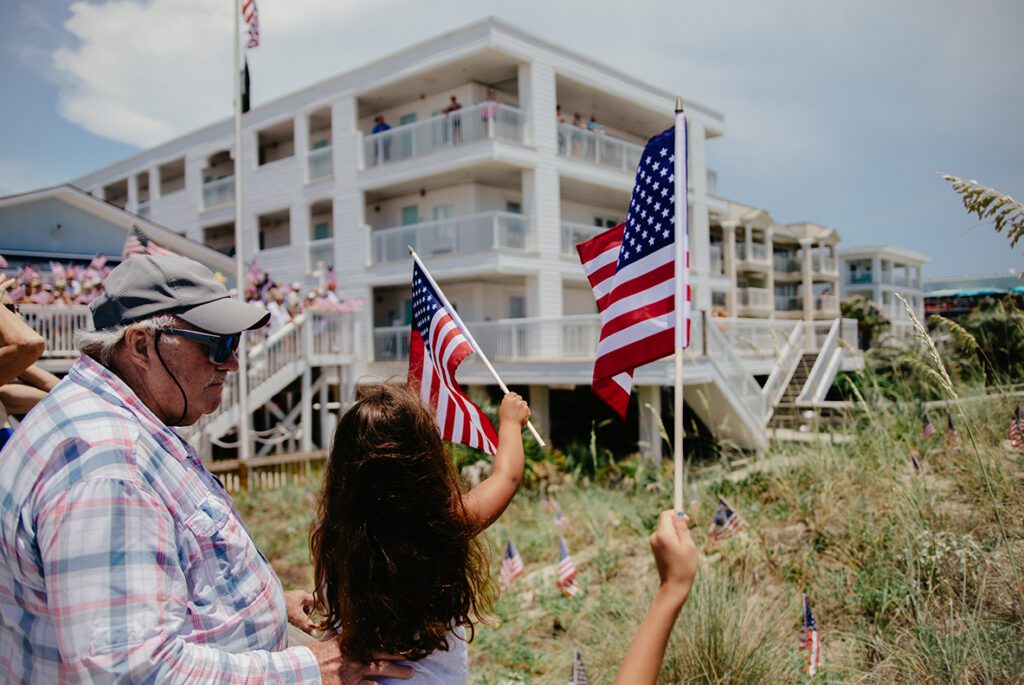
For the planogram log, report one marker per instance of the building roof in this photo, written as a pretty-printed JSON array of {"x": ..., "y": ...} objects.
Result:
[
  {"x": 891, "y": 251},
  {"x": 115, "y": 216}
]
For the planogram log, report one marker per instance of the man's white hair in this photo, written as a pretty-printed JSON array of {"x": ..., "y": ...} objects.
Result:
[{"x": 102, "y": 345}]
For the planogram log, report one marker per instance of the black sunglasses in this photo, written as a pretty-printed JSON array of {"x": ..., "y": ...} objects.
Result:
[{"x": 220, "y": 346}]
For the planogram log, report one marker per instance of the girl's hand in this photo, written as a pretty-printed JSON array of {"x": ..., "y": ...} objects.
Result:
[
  {"x": 675, "y": 554},
  {"x": 514, "y": 408}
]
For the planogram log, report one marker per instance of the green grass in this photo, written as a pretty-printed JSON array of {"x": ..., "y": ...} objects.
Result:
[{"x": 913, "y": 579}]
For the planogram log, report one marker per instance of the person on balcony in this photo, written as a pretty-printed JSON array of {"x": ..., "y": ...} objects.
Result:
[
  {"x": 454, "y": 119},
  {"x": 489, "y": 112},
  {"x": 121, "y": 557},
  {"x": 382, "y": 145},
  {"x": 577, "y": 137}
]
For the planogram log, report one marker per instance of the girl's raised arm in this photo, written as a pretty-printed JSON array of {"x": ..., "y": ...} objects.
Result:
[{"x": 486, "y": 502}]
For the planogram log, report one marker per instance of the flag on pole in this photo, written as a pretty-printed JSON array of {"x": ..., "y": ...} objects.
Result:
[
  {"x": 578, "y": 675},
  {"x": 246, "y": 100},
  {"x": 638, "y": 319},
  {"x": 1016, "y": 434},
  {"x": 927, "y": 427},
  {"x": 951, "y": 437},
  {"x": 809, "y": 643},
  {"x": 511, "y": 566},
  {"x": 252, "y": 19},
  {"x": 915, "y": 460},
  {"x": 599, "y": 256},
  {"x": 437, "y": 346},
  {"x": 566, "y": 571},
  {"x": 725, "y": 523},
  {"x": 138, "y": 243},
  {"x": 558, "y": 516}
]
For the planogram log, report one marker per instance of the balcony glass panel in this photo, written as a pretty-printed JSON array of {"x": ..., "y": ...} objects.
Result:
[
  {"x": 443, "y": 132},
  {"x": 860, "y": 277},
  {"x": 458, "y": 235},
  {"x": 219, "y": 192},
  {"x": 573, "y": 233},
  {"x": 320, "y": 163},
  {"x": 821, "y": 262},
  {"x": 758, "y": 252},
  {"x": 788, "y": 303},
  {"x": 785, "y": 263},
  {"x": 755, "y": 298},
  {"x": 598, "y": 148}
]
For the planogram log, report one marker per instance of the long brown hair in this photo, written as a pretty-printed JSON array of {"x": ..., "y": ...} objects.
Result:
[{"x": 396, "y": 562}]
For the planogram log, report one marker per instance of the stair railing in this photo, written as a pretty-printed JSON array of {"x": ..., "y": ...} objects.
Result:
[
  {"x": 783, "y": 370},
  {"x": 740, "y": 382},
  {"x": 820, "y": 378}
]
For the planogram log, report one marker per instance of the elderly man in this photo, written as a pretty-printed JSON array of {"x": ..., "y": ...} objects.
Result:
[{"x": 123, "y": 559}]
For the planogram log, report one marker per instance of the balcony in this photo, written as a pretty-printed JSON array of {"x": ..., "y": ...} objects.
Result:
[
  {"x": 573, "y": 233},
  {"x": 598, "y": 149},
  {"x": 219, "y": 192},
  {"x": 715, "y": 260},
  {"x": 860, "y": 277},
  {"x": 486, "y": 121},
  {"x": 786, "y": 264},
  {"x": 320, "y": 164},
  {"x": 758, "y": 252},
  {"x": 481, "y": 232},
  {"x": 789, "y": 303},
  {"x": 827, "y": 304},
  {"x": 755, "y": 299},
  {"x": 823, "y": 263},
  {"x": 321, "y": 251}
]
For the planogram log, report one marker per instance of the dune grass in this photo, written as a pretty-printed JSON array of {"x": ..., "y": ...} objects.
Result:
[{"x": 913, "y": 578}]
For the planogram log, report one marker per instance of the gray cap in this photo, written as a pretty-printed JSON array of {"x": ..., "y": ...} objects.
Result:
[{"x": 146, "y": 285}]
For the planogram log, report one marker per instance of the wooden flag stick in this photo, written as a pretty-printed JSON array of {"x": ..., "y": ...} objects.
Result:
[
  {"x": 472, "y": 341},
  {"x": 681, "y": 285}
]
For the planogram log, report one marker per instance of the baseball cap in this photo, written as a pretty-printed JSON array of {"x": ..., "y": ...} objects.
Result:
[{"x": 146, "y": 285}]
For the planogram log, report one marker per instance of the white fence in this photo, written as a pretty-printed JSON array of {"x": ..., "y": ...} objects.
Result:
[
  {"x": 57, "y": 325},
  {"x": 444, "y": 131},
  {"x": 459, "y": 235}
]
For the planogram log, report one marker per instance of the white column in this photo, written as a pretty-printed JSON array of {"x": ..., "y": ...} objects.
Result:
[
  {"x": 132, "y": 203},
  {"x": 540, "y": 410},
  {"x": 769, "y": 236},
  {"x": 650, "y": 436},
  {"x": 537, "y": 101},
  {"x": 808, "y": 278},
  {"x": 749, "y": 240},
  {"x": 729, "y": 262},
  {"x": 301, "y": 132}
]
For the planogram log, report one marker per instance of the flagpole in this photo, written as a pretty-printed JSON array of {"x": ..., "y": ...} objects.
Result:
[
  {"x": 471, "y": 339},
  {"x": 681, "y": 285},
  {"x": 243, "y": 366}
]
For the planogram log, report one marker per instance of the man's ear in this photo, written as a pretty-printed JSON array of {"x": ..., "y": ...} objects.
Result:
[{"x": 136, "y": 346}]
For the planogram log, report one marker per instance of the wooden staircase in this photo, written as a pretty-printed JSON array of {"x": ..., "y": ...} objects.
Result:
[{"x": 787, "y": 414}]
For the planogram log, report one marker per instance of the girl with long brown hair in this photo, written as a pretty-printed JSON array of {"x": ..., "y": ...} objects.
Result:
[{"x": 398, "y": 565}]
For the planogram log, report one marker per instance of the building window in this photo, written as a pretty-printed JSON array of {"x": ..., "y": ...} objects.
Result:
[
  {"x": 275, "y": 230},
  {"x": 410, "y": 215},
  {"x": 276, "y": 142},
  {"x": 221, "y": 238},
  {"x": 172, "y": 176},
  {"x": 513, "y": 207}
]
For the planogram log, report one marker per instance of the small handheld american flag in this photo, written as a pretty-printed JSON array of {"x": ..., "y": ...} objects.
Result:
[
  {"x": 566, "y": 571},
  {"x": 437, "y": 345},
  {"x": 511, "y": 566},
  {"x": 578, "y": 675},
  {"x": 1016, "y": 433},
  {"x": 927, "y": 427},
  {"x": 138, "y": 243},
  {"x": 726, "y": 522},
  {"x": 809, "y": 643}
]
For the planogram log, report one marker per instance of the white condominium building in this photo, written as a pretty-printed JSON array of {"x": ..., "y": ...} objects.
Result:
[{"x": 494, "y": 195}]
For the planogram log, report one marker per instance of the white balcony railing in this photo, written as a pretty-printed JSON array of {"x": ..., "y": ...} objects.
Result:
[
  {"x": 823, "y": 263},
  {"x": 597, "y": 148},
  {"x": 755, "y": 298},
  {"x": 758, "y": 252},
  {"x": 458, "y": 235},
  {"x": 57, "y": 324},
  {"x": 785, "y": 263},
  {"x": 826, "y": 303},
  {"x": 218, "y": 193},
  {"x": 573, "y": 233},
  {"x": 755, "y": 337},
  {"x": 788, "y": 303},
  {"x": 321, "y": 252},
  {"x": 715, "y": 260},
  {"x": 320, "y": 163},
  {"x": 444, "y": 132}
]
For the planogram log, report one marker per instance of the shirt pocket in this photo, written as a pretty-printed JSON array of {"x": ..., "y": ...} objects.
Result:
[{"x": 224, "y": 566}]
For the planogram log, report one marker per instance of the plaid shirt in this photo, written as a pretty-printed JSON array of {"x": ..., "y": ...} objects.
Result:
[{"x": 123, "y": 560}]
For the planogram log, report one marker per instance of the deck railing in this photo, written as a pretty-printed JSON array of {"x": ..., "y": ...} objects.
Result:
[
  {"x": 320, "y": 164},
  {"x": 57, "y": 325},
  {"x": 486, "y": 121},
  {"x": 573, "y": 233},
  {"x": 758, "y": 252},
  {"x": 219, "y": 193},
  {"x": 598, "y": 148},
  {"x": 481, "y": 232}
]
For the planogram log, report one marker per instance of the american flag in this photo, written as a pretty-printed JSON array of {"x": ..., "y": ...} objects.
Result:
[
  {"x": 638, "y": 319},
  {"x": 915, "y": 460},
  {"x": 558, "y": 516},
  {"x": 511, "y": 566},
  {"x": 1017, "y": 430},
  {"x": 578, "y": 675},
  {"x": 809, "y": 643},
  {"x": 437, "y": 346},
  {"x": 566, "y": 571},
  {"x": 927, "y": 428},
  {"x": 950, "y": 430},
  {"x": 251, "y": 18},
  {"x": 138, "y": 243},
  {"x": 599, "y": 257},
  {"x": 725, "y": 522}
]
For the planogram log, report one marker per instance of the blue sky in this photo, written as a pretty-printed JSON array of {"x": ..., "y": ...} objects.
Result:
[{"x": 837, "y": 112}]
